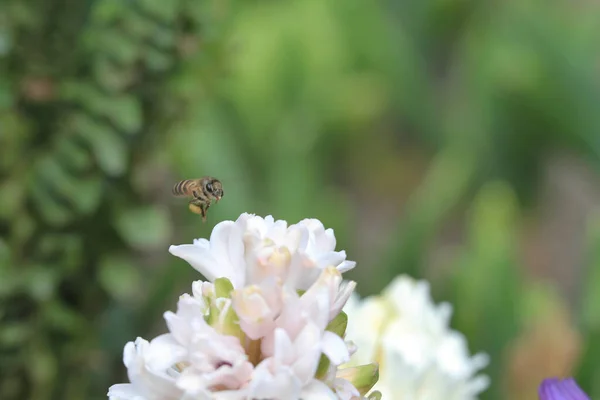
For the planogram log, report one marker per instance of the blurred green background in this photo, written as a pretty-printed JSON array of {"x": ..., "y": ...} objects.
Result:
[{"x": 454, "y": 140}]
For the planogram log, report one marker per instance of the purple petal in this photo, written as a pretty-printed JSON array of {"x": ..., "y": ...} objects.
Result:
[{"x": 566, "y": 389}]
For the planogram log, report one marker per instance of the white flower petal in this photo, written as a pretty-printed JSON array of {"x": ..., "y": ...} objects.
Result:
[
  {"x": 307, "y": 348},
  {"x": 346, "y": 266},
  {"x": 151, "y": 383},
  {"x": 206, "y": 356},
  {"x": 199, "y": 258},
  {"x": 345, "y": 291},
  {"x": 335, "y": 348},
  {"x": 317, "y": 390},
  {"x": 165, "y": 352},
  {"x": 279, "y": 384},
  {"x": 240, "y": 251},
  {"x": 345, "y": 390},
  {"x": 420, "y": 356},
  {"x": 124, "y": 391}
]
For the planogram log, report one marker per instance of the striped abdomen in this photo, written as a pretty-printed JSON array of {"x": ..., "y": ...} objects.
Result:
[{"x": 186, "y": 188}]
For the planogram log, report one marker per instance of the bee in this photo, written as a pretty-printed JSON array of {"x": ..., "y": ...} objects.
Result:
[{"x": 203, "y": 191}]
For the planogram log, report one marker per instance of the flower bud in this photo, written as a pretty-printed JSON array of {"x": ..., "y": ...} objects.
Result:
[{"x": 363, "y": 377}]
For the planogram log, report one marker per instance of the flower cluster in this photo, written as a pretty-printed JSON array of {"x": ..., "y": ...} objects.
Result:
[
  {"x": 420, "y": 357},
  {"x": 266, "y": 325}
]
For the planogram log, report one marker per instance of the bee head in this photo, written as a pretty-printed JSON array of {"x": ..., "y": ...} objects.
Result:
[{"x": 215, "y": 188}]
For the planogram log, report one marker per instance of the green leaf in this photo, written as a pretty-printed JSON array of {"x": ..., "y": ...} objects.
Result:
[
  {"x": 23, "y": 230},
  {"x": 165, "y": 10},
  {"x": 74, "y": 155},
  {"x": 112, "y": 77},
  {"x": 62, "y": 318},
  {"x": 4, "y": 254},
  {"x": 15, "y": 334},
  {"x": 84, "y": 194},
  {"x": 323, "y": 367},
  {"x": 446, "y": 183},
  {"x": 338, "y": 324},
  {"x": 41, "y": 282},
  {"x": 120, "y": 48},
  {"x": 107, "y": 10},
  {"x": 123, "y": 110},
  {"x": 590, "y": 312},
  {"x": 487, "y": 290},
  {"x": 67, "y": 247},
  {"x": 52, "y": 212},
  {"x": 157, "y": 60},
  {"x": 109, "y": 148},
  {"x": 11, "y": 198}
]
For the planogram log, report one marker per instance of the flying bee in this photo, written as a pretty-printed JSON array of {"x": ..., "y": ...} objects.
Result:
[{"x": 203, "y": 191}]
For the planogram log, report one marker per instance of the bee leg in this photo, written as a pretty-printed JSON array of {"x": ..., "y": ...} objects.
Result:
[{"x": 204, "y": 211}]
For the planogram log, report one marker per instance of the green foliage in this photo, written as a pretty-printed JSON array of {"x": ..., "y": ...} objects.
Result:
[
  {"x": 486, "y": 292},
  {"x": 316, "y": 108},
  {"x": 589, "y": 370}
]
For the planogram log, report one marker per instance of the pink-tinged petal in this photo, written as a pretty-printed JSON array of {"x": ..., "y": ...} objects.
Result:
[
  {"x": 243, "y": 219},
  {"x": 165, "y": 352},
  {"x": 201, "y": 289},
  {"x": 192, "y": 383},
  {"x": 241, "y": 251},
  {"x": 269, "y": 382},
  {"x": 319, "y": 298},
  {"x": 283, "y": 350},
  {"x": 317, "y": 390},
  {"x": 255, "y": 311},
  {"x": 188, "y": 321},
  {"x": 240, "y": 394},
  {"x": 231, "y": 377},
  {"x": 307, "y": 347},
  {"x": 345, "y": 390},
  {"x": 257, "y": 226},
  {"x": 199, "y": 382},
  {"x": 329, "y": 279},
  {"x": 292, "y": 317},
  {"x": 296, "y": 238},
  {"x": 335, "y": 348},
  {"x": 303, "y": 272},
  {"x": 315, "y": 306},
  {"x": 321, "y": 240},
  {"x": 566, "y": 389},
  {"x": 148, "y": 381},
  {"x": 278, "y": 229}
]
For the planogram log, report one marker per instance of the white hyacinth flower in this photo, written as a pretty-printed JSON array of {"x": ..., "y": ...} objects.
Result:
[
  {"x": 253, "y": 249},
  {"x": 267, "y": 325},
  {"x": 419, "y": 356}
]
